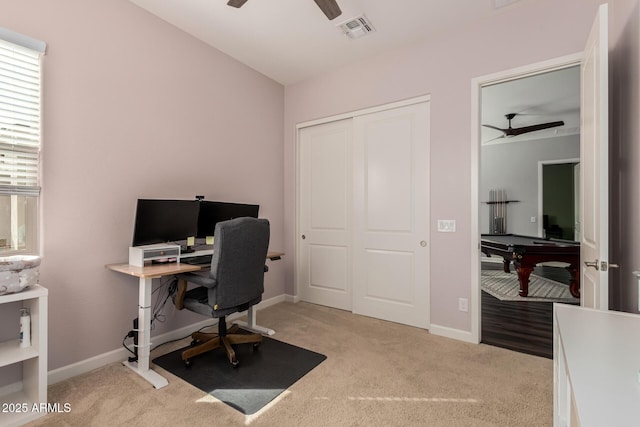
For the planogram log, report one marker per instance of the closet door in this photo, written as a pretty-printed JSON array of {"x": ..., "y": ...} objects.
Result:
[
  {"x": 324, "y": 224},
  {"x": 391, "y": 184}
]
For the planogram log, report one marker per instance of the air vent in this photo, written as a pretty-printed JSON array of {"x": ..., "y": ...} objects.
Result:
[{"x": 356, "y": 27}]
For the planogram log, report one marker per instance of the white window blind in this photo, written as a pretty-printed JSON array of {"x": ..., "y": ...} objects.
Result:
[{"x": 19, "y": 117}]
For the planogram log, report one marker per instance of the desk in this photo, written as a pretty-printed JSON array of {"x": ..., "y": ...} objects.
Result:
[
  {"x": 146, "y": 275},
  {"x": 527, "y": 251}
]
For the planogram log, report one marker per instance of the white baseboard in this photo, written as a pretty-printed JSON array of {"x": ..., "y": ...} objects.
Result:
[
  {"x": 120, "y": 354},
  {"x": 455, "y": 334},
  {"x": 291, "y": 298}
]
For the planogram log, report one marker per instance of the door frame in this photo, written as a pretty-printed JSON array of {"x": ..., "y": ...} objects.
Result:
[
  {"x": 341, "y": 116},
  {"x": 541, "y": 165},
  {"x": 477, "y": 83}
]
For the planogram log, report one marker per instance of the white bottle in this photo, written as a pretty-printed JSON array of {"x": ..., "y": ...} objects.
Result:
[{"x": 25, "y": 328}]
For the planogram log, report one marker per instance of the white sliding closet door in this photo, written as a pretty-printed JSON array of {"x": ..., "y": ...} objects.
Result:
[
  {"x": 325, "y": 188},
  {"x": 363, "y": 214},
  {"x": 391, "y": 251}
]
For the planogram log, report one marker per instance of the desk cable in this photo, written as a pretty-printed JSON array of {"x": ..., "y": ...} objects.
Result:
[{"x": 171, "y": 285}]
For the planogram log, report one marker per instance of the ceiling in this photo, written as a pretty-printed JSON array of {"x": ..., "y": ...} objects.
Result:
[
  {"x": 542, "y": 98},
  {"x": 292, "y": 40}
]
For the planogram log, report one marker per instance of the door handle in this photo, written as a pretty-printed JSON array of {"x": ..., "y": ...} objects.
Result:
[
  {"x": 423, "y": 243},
  {"x": 602, "y": 265},
  {"x": 593, "y": 264},
  {"x": 304, "y": 237}
]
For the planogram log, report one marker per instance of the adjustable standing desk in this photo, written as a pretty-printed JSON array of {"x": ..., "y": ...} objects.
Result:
[{"x": 146, "y": 275}]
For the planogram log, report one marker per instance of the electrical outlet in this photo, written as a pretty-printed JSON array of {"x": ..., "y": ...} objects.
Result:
[
  {"x": 533, "y": 219},
  {"x": 463, "y": 304}
]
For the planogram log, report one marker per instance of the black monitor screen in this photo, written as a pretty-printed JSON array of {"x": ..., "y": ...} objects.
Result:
[
  {"x": 213, "y": 212},
  {"x": 160, "y": 221}
]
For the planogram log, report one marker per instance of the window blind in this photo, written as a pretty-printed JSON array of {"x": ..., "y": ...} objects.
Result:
[{"x": 19, "y": 119}]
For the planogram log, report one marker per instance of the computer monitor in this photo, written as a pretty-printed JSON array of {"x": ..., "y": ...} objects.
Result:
[
  {"x": 161, "y": 221},
  {"x": 213, "y": 212}
]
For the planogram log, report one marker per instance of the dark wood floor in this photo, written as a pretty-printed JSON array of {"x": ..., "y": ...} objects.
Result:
[{"x": 526, "y": 327}]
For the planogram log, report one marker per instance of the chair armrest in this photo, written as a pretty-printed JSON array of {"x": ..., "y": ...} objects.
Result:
[{"x": 180, "y": 292}]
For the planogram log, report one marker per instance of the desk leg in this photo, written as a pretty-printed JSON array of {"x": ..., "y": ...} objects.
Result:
[
  {"x": 141, "y": 367},
  {"x": 251, "y": 323}
]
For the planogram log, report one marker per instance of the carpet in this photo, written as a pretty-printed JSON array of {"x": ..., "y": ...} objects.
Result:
[
  {"x": 261, "y": 376},
  {"x": 505, "y": 287}
]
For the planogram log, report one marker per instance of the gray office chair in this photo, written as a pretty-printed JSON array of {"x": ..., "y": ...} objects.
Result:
[{"x": 235, "y": 282}]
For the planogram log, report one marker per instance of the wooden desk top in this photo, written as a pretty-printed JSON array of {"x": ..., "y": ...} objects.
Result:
[
  {"x": 168, "y": 269},
  {"x": 154, "y": 270}
]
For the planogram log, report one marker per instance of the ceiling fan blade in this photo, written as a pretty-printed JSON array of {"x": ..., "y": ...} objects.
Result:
[
  {"x": 495, "y": 127},
  {"x": 328, "y": 7},
  {"x": 493, "y": 139},
  {"x": 236, "y": 3},
  {"x": 534, "y": 128}
]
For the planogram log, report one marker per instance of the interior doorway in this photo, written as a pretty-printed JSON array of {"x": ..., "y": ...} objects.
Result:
[
  {"x": 558, "y": 199},
  {"x": 518, "y": 182}
]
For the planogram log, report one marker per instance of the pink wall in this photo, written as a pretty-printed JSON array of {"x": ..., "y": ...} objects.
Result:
[
  {"x": 136, "y": 108},
  {"x": 625, "y": 153},
  {"x": 525, "y": 33}
]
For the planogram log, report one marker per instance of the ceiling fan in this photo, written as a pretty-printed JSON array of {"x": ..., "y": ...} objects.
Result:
[
  {"x": 526, "y": 129},
  {"x": 329, "y": 7}
]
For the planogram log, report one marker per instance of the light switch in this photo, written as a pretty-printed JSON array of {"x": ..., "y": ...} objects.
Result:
[{"x": 447, "y": 225}]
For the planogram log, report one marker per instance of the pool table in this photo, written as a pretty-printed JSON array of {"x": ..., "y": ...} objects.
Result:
[{"x": 527, "y": 251}]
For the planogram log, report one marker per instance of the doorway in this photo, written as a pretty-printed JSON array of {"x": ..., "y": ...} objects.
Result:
[
  {"x": 558, "y": 199},
  {"x": 520, "y": 184}
]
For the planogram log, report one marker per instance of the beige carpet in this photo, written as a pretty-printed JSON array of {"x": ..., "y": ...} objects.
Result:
[
  {"x": 377, "y": 373},
  {"x": 506, "y": 287}
]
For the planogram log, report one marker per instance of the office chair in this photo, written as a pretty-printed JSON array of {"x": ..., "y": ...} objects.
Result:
[{"x": 235, "y": 282}]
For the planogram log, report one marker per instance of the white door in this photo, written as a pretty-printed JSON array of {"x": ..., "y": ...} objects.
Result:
[
  {"x": 391, "y": 182},
  {"x": 594, "y": 151},
  {"x": 325, "y": 188}
]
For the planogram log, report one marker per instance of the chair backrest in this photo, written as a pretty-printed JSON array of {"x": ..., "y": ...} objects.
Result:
[{"x": 237, "y": 266}]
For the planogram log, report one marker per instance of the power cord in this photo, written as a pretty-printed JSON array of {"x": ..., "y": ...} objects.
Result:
[{"x": 171, "y": 287}]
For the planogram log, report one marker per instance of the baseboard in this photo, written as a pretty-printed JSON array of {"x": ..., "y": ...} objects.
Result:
[
  {"x": 118, "y": 355},
  {"x": 291, "y": 298},
  {"x": 455, "y": 334}
]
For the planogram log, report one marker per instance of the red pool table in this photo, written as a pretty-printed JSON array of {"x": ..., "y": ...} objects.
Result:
[{"x": 527, "y": 251}]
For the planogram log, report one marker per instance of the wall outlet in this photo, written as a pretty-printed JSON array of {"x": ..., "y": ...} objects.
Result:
[
  {"x": 533, "y": 219},
  {"x": 463, "y": 304}
]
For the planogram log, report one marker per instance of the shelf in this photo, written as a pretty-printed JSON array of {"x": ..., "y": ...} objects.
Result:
[
  {"x": 500, "y": 202},
  {"x": 10, "y": 352},
  {"x": 18, "y": 418},
  {"x": 34, "y": 291},
  {"x": 31, "y": 391}
]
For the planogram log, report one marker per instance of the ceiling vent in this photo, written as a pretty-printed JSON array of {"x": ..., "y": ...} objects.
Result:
[{"x": 356, "y": 27}]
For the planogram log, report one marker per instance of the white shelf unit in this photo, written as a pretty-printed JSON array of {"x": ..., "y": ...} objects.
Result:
[{"x": 33, "y": 388}]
